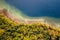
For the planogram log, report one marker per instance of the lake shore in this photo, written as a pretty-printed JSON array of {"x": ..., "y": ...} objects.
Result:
[
  {"x": 29, "y": 20},
  {"x": 18, "y": 16}
]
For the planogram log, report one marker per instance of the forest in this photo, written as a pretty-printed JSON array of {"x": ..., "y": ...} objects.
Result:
[{"x": 9, "y": 30}]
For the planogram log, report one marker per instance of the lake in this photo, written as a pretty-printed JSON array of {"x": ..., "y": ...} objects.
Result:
[{"x": 37, "y": 8}]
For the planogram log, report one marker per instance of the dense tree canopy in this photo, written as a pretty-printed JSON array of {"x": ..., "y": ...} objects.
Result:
[{"x": 10, "y": 31}]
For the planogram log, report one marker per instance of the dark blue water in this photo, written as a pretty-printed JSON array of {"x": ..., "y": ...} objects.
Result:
[{"x": 38, "y": 8}]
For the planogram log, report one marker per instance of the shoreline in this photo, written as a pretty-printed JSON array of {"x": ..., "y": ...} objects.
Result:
[
  {"x": 15, "y": 14},
  {"x": 44, "y": 20},
  {"x": 28, "y": 20}
]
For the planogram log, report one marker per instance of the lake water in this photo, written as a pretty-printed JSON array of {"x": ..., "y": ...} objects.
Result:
[
  {"x": 48, "y": 10},
  {"x": 37, "y": 8}
]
